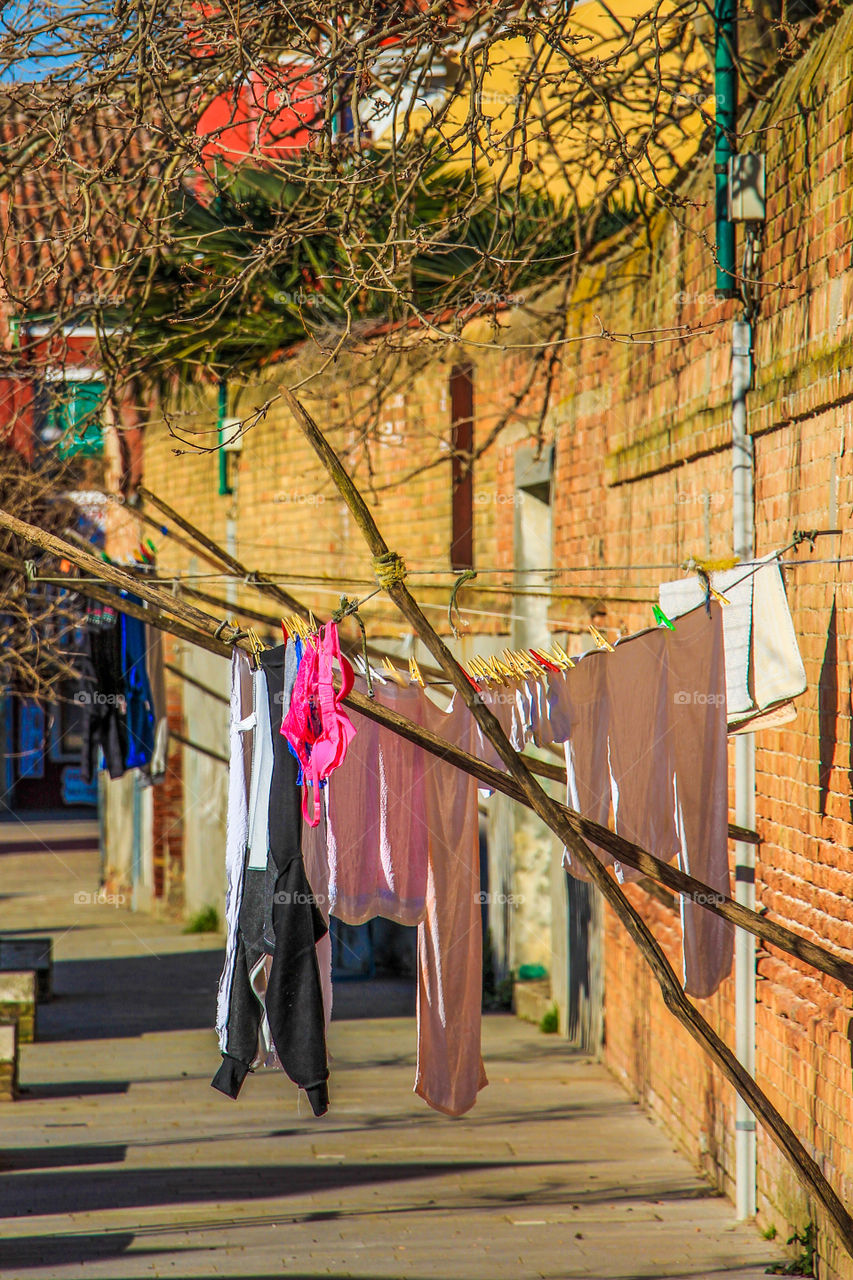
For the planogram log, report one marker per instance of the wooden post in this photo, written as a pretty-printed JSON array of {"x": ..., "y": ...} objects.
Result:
[{"x": 390, "y": 574}]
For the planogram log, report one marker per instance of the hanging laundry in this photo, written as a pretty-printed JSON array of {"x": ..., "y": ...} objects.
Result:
[
  {"x": 156, "y": 768},
  {"x": 138, "y": 698},
  {"x": 316, "y": 725},
  {"x": 579, "y": 717},
  {"x": 102, "y": 696},
  {"x": 400, "y": 839},
  {"x": 240, "y": 1011},
  {"x": 698, "y": 743},
  {"x": 450, "y": 1069},
  {"x": 764, "y": 669},
  {"x": 376, "y": 832},
  {"x": 295, "y": 1003},
  {"x": 275, "y": 997},
  {"x": 237, "y": 828},
  {"x": 645, "y": 732}
]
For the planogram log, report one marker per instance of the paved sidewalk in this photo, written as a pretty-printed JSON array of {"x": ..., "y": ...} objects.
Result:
[{"x": 121, "y": 1161}]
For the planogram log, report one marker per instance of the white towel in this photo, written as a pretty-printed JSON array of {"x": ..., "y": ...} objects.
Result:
[{"x": 763, "y": 663}]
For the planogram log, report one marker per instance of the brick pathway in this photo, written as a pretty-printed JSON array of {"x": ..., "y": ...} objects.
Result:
[{"x": 121, "y": 1161}]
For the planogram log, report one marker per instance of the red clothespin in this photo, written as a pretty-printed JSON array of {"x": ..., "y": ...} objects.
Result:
[
  {"x": 543, "y": 661},
  {"x": 284, "y": 631}
]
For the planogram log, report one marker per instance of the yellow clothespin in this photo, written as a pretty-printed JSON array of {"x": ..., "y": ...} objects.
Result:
[
  {"x": 415, "y": 672},
  {"x": 512, "y": 661},
  {"x": 528, "y": 666},
  {"x": 560, "y": 656},
  {"x": 396, "y": 676},
  {"x": 537, "y": 667},
  {"x": 312, "y": 623},
  {"x": 481, "y": 670},
  {"x": 256, "y": 644},
  {"x": 718, "y": 595},
  {"x": 600, "y": 640},
  {"x": 501, "y": 670}
]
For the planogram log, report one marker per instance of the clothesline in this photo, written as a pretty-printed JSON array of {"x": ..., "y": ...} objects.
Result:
[
  {"x": 567, "y": 824},
  {"x": 189, "y": 629},
  {"x": 801, "y": 1161}
]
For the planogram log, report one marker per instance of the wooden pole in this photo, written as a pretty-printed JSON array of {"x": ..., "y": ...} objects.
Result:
[
  {"x": 259, "y": 580},
  {"x": 390, "y": 573},
  {"x": 104, "y": 570}
]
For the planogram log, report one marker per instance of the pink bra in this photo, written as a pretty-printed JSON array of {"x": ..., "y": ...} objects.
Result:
[{"x": 316, "y": 726}]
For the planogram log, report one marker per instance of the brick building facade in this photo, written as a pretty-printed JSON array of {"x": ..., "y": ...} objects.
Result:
[{"x": 641, "y": 438}]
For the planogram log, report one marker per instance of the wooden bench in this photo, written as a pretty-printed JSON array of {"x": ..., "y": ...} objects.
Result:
[
  {"x": 18, "y": 1002},
  {"x": 30, "y": 953},
  {"x": 8, "y": 1061}
]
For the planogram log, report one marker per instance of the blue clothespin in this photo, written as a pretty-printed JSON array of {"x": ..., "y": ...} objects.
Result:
[{"x": 661, "y": 619}]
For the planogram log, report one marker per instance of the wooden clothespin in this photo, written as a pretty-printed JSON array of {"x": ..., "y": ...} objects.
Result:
[
  {"x": 561, "y": 657},
  {"x": 505, "y": 670},
  {"x": 396, "y": 676},
  {"x": 415, "y": 672},
  {"x": 515, "y": 668},
  {"x": 600, "y": 640},
  {"x": 484, "y": 669},
  {"x": 718, "y": 595},
  {"x": 545, "y": 663}
]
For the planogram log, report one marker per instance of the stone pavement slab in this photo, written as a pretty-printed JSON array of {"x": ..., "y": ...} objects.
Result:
[{"x": 121, "y": 1161}]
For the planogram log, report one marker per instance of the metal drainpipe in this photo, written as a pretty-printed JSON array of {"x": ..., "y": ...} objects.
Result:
[
  {"x": 725, "y": 93},
  {"x": 743, "y": 476},
  {"x": 725, "y": 90}
]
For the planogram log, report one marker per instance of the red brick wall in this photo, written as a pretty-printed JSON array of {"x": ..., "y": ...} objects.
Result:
[{"x": 643, "y": 480}]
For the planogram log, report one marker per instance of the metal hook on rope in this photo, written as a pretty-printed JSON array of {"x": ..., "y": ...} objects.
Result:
[{"x": 467, "y": 575}]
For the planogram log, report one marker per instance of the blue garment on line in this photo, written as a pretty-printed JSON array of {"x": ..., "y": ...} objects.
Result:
[{"x": 138, "y": 697}]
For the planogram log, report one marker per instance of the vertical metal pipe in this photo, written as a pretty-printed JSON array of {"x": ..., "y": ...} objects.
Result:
[
  {"x": 221, "y": 414},
  {"x": 725, "y": 92},
  {"x": 743, "y": 482}
]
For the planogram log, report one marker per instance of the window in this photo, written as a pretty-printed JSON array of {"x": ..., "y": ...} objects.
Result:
[
  {"x": 462, "y": 468},
  {"x": 73, "y": 420}
]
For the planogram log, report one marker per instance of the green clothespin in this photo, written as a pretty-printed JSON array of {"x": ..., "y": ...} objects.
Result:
[
  {"x": 151, "y": 546},
  {"x": 661, "y": 619}
]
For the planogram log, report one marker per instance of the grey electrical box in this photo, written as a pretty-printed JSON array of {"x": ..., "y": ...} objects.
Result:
[{"x": 746, "y": 187}]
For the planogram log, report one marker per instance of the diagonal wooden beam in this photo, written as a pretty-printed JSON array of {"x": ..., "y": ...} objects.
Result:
[{"x": 390, "y": 573}]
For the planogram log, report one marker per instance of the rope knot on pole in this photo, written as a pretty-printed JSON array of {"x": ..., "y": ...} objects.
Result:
[{"x": 389, "y": 568}]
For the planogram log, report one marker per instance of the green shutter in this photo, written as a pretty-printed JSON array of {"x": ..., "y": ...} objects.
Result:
[{"x": 78, "y": 416}]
